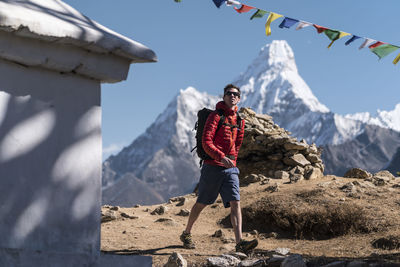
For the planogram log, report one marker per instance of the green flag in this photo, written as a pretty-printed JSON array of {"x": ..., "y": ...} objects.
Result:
[
  {"x": 384, "y": 50},
  {"x": 332, "y": 34},
  {"x": 259, "y": 14}
]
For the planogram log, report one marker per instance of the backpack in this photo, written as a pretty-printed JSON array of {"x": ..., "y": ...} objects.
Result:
[{"x": 202, "y": 116}]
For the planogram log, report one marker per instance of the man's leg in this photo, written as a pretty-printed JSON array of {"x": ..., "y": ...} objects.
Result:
[
  {"x": 194, "y": 214},
  {"x": 236, "y": 219},
  {"x": 186, "y": 237}
]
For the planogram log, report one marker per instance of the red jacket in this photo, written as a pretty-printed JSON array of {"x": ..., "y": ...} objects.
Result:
[{"x": 225, "y": 142}]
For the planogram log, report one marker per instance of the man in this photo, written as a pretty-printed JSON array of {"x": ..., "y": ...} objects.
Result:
[{"x": 220, "y": 175}]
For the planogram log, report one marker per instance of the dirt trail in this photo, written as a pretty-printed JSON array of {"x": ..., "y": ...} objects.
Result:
[{"x": 136, "y": 231}]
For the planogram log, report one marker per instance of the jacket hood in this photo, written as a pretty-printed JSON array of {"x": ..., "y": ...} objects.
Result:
[{"x": 225, "y": 108}]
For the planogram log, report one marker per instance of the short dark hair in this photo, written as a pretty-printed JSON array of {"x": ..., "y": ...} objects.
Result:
[{"x": 229, "y": 86}]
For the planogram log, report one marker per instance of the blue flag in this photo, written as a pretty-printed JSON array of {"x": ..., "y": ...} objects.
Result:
[
  {"x": 288, "y": 22},
  {"x": 218, "y": 3},
  {"x": 352, "y": 39}
]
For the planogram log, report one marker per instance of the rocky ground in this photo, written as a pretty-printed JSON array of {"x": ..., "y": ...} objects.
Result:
[{"x": 330, "y": 220}]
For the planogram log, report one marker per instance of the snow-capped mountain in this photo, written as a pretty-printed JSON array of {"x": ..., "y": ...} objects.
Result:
[
  {"x": 161, "y": 156},
  {"x": 385, "y": 119},
  {"x": 271, "y": 84}
]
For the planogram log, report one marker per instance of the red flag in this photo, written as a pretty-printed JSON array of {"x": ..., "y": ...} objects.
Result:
[
  {"x": 244, "y": 8},
  {"x": 379, "y": 43},
  {"x": 320, "y": 29}
]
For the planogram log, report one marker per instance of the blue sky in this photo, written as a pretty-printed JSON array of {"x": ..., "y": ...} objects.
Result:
[{"x": 205, "y": 47}]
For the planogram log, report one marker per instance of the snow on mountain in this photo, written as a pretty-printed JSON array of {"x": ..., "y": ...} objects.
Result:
[
  {"x": 161, "y": 156},
  {"x": 272, "y": 85},
  {"x": 385, "y": 119}
]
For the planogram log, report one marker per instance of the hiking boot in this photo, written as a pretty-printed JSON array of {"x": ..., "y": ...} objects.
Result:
[
  {"x": 186, "y": 238},
  {"x": 246, "y": 246}
]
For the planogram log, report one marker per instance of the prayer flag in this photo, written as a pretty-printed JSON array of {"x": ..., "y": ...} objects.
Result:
[
  {"x": 259, "y": 14},
  {"x": 303, "y": 24},
  {"x": 379, "y": 43},
  {"x": 366, "y": 42},
  {"x": 272, "y": 16},
  {"x": 334, "y": 35},
  {"x": 352, "y": 39},
  {"x": 232, "y": 2},
  {"x": 288, "y": 22},
  {"x": 396, "y": 60},
  {"x": 218, "y": 3},
  {"x": 320, "y": 29},
  {"x": 244, "y": 8},
  {"x": 384, "y": 50}
]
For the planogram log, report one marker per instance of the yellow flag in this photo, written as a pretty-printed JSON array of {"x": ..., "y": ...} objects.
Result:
[
  {"x": 341, "y": 34},
  {"x": 272, "y": 16},
  {"x": 396, "y": 59}
]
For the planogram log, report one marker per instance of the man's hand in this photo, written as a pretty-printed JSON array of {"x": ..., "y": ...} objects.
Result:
[{"x": 227, "y": 162}]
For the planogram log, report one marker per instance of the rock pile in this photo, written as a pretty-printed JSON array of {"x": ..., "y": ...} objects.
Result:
[{"x": 270, "y": 151}]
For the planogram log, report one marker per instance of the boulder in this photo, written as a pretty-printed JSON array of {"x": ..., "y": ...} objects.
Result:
[
  {"x": 281, "y": 175},
  {"x": 249, "y": 179},
  {"x": 294, "y": 178},
  {"x": 223, "y": 261},
  {"x": 252, "y": 263},
  {"x": 294, "y": 260},
  {"x": 313, "y": 158},
  {"x": 311, "y": 173},
  {"x": 384, "y": 174},
  {"x": 176, "y": 260},
  {"x": 183, "y": 212},
  {"x": 159, "y": 210},
  {"x": 108, "y": 216},
  {"x": 357, "y": 173},
  {"x": 295, "y": 146},
  {"x": 296, "y": 160}
]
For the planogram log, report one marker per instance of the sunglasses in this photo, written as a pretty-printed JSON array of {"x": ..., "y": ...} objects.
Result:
[{"x": 232, "y": 93}]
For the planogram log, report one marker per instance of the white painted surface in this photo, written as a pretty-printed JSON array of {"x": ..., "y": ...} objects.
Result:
[
  {"x": 54, "y": 20},
  {"x": 50, "y": 162}
]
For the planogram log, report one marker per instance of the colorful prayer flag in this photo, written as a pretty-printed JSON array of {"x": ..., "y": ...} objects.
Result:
[
  {"x": 232, "y": 2},
  {"x": 218, "y": 3},
  {"x": 396, "y": 60},
  {"x": 244, "y": 9},
  {"x": 379, "y": 43},
  {"x": 303, "y": 24},
  {"x": 334, "y": 35},
  {"x": 320, "y": 29},
  {"x": 366, "y": 42},
  {"x": 384, "y": 50},
  {"x": 272, "y": 16},
  {"x": 352, "y": 39},
  {"x": 288, "y": 22},
  {"x": 259, "y": 14}
]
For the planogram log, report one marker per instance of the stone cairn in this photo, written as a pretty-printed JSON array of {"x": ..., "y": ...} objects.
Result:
[{"x": 269, "y": 151}]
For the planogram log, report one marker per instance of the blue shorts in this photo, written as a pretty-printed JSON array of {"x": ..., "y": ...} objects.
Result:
[{"x": 216, "y": 180}]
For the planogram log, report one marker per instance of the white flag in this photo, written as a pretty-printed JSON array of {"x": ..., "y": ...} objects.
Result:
[
  {"x": 232, "y": 2},
  {"x": 303, "y": 24},
  {"x": 366, "y": 43}
]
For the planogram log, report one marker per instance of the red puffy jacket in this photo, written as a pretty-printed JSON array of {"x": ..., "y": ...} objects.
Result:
[{"x": 225, "y": 142}]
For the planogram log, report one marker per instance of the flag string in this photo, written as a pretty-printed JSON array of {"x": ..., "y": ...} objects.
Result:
[{"x": 379, "y": 48}]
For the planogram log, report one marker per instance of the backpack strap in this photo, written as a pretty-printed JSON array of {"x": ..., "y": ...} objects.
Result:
[
  {"x": 238, "y": 121},
  {"x": 221, "y": 119}
]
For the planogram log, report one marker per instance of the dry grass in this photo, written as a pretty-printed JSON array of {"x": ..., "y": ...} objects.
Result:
[{"x": 310, "y": 214}]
